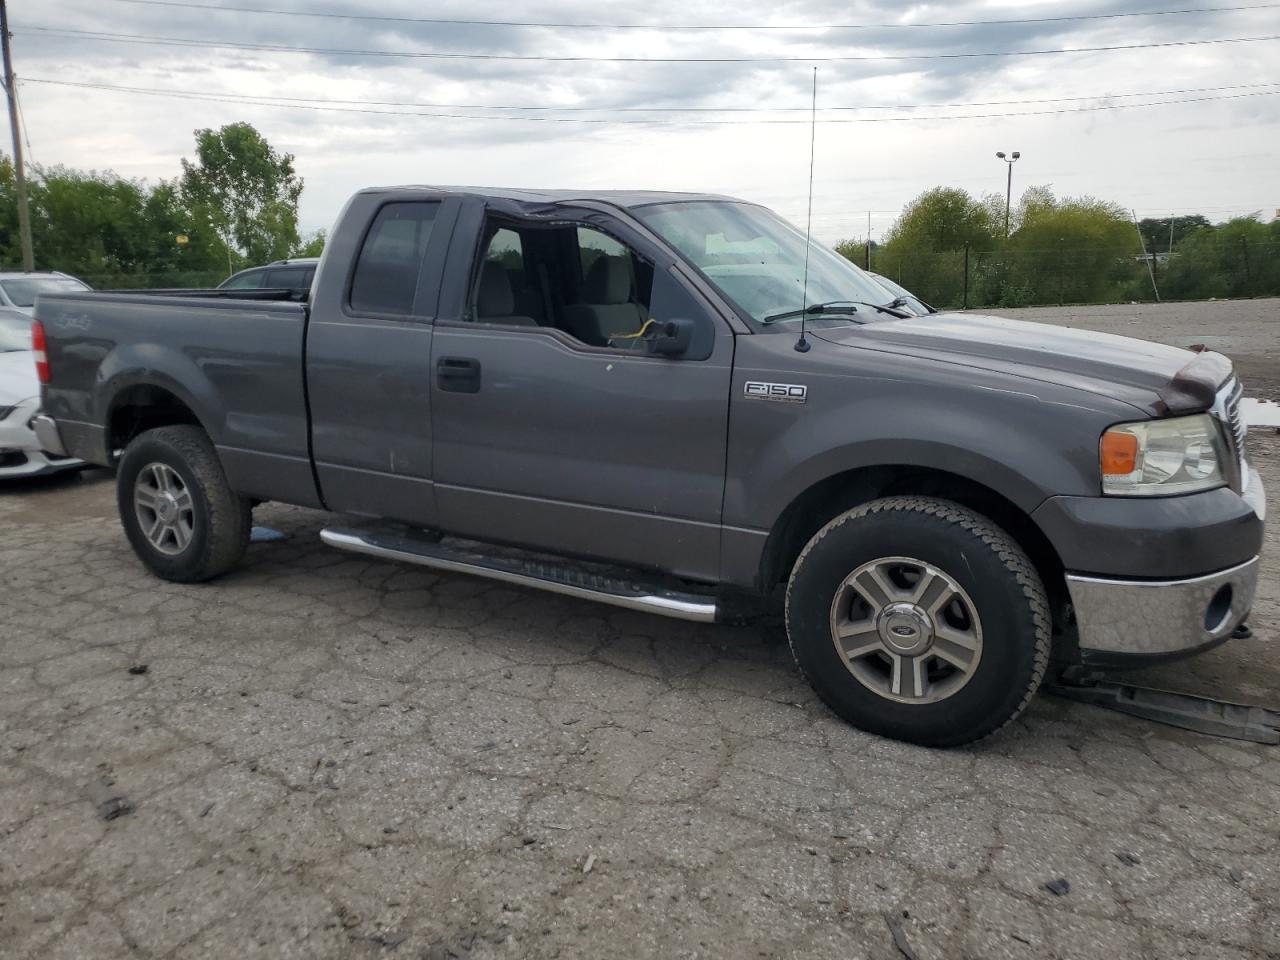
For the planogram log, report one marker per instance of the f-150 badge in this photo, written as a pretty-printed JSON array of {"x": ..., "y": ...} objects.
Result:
[{"x": 781, "y": 392}]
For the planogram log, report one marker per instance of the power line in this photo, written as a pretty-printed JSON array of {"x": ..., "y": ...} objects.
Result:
[
  {"x": 218, "y": 98},
  {"x": 567, "y": 25},
  {"x": 281, "y": 100},
  {"x": 153, "y": 40}
]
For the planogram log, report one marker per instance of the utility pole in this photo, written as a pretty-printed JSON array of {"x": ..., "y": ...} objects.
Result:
[
  {"x": 868, "y": 241},
  {"x": 19, "y": 166},
  {"x": 1008, "y": 193}
]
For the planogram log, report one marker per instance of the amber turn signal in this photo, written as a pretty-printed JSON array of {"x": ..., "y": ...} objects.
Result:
[{"x": 1119, "y": 453}]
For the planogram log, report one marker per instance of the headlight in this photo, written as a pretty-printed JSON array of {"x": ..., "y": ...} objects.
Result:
[{"x": 1162, "y": 457}]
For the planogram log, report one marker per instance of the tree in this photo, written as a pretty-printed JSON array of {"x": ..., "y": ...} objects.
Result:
[
  {"x": 245, "y": 191},
  {"x": 1157, "y": 233},
  {"x": 314, "y": 245},
  {"x": 924, "y": 250}
]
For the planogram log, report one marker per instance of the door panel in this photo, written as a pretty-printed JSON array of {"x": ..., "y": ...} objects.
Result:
[
  {"x": 543, "y": 440},
  {"x": 369, "y": 364},
  {"x": 615, "y": 456}
]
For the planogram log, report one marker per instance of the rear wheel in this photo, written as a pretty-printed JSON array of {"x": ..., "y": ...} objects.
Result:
[
  {"x": 919, "y": 619},
  {"x": 181, "y": 516}
]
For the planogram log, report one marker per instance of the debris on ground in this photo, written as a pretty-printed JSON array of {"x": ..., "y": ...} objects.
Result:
[
  {"x": 264, "y": 535},
  {"x": 591, "y": 862},
  {"x": 138, "y": 669},
  {"x": 1236, "y": 875},
  {"x": 111, "y": 803},
  {"x": 207, "y": 808},
  {"x": 1129, "y": 859},
  {"x": 899, "y": 933},
  {"x": 1059, "y": 887}
]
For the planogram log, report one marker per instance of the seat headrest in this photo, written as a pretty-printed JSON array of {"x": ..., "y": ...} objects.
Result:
[
  {"x": 494, "y": 299},
  {"x": 609, "y": 281}
]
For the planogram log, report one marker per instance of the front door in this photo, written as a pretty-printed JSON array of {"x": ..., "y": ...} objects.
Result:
[{"x": 553, "y": 425}]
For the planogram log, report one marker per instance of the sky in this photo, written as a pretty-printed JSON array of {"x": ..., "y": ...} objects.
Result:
[{"x": 903, "y": 104}]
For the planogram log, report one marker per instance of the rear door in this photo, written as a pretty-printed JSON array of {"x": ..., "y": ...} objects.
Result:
[
  {"x": 369, "y": 355},
  {"x": 553, "y": 427}
]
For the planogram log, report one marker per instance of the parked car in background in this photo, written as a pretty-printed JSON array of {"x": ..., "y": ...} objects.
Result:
[
  {"x": 18, "y": 290},
  {"x": 292, "y": 275},
  {"x": 904, "y": 298},
  {"x": 20, "y": 453}
]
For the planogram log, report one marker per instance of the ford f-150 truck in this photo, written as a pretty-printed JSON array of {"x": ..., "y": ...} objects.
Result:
[{"x": 665, "y": 401}]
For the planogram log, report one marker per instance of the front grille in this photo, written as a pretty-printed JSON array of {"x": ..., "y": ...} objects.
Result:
[
  {"x": 1227, "y": 409},
  {"x": 1234, "y": 420}
]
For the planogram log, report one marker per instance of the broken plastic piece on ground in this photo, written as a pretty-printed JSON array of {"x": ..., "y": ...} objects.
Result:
[
  {"x": 1238, "y": 721},
  {"x": 1059, "y": 887},
  {"x": 264, "y": 535}
]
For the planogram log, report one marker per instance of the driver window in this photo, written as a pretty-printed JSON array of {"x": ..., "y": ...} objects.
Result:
[{"x": 579, "y": 280}]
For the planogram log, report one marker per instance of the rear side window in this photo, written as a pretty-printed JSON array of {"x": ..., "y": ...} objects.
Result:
[
  {"x": 289, "y": 277},
  {"x": 249, "y": 280},
  {"x": 386, "y": 274}
]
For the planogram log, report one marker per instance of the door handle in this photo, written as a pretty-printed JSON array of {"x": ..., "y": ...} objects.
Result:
[{"x": 458, "y": 374}]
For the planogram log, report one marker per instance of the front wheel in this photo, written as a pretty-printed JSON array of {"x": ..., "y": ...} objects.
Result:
[
  {"x": 919, "y": 619},
  {"x": 180, "y": 514}
]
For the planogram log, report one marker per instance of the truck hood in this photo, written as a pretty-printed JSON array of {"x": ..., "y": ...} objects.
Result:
[
  {"x": 17, "y": 377},
  {"x": 1139, "y": 372}
]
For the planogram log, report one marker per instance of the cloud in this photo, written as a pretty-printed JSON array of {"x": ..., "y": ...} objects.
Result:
[{"x": 1158, "y": 153}]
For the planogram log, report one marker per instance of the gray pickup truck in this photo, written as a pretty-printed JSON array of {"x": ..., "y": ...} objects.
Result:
[{"x": 669, "y": 401}]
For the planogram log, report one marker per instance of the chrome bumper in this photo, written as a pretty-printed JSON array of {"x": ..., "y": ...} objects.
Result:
[
  {"x": 46, "y": 430},
  {"x": 1154, "y": 618}
]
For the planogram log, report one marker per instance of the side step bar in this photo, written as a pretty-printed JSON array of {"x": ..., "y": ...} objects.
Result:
[
  {"x": 563, "y": 578},
  {"x": 1219, "y": 718}
]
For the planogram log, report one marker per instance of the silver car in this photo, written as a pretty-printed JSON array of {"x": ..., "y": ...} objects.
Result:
[
  {"x": 20, "y": 453},
  {"x": 18, "y": 290}
]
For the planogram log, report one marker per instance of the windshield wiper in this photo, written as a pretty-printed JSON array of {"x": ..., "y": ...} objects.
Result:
[{"x": 835, "y": 307}]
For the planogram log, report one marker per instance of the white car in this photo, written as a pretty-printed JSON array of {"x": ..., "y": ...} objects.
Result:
[
  {"x": 20, "y": 453},
  {"x": 18, "y": 290}
]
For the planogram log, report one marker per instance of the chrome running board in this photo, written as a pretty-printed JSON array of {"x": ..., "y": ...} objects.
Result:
[{"x": 555, "y": 577}]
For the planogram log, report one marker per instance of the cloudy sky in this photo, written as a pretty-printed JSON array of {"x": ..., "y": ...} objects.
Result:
[{"x": 903, "y": 103}]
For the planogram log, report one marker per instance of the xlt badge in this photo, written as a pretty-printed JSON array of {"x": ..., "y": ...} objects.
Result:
[{"x": 782, "y": 392}]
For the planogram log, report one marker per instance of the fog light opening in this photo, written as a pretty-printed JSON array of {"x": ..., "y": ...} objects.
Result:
[{"x": 1219, "y": 610}]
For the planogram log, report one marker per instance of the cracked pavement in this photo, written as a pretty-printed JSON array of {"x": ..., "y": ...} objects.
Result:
[{"x": 334, "y": 756}]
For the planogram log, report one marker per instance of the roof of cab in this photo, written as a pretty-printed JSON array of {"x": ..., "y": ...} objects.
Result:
[{"x": 620, "y": 198}]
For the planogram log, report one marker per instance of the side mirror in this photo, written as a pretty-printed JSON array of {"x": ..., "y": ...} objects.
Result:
[{"x": 669, "y": 338}]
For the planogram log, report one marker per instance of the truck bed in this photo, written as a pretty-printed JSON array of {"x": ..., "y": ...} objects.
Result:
[{"x": 235, "y": 364}]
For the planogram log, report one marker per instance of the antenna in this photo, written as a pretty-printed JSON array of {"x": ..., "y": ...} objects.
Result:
[{"x": 802, "y": 345}]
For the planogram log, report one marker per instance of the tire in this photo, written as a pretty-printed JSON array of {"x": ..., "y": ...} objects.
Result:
[
  {"x": 210, "y": 523},
  {"x": 981, "y": 653}
]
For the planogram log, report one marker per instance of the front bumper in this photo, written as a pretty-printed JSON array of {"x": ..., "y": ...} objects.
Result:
[
  {"x": 1128, "y": 622},
  {"x": 1131, "y": 622}
]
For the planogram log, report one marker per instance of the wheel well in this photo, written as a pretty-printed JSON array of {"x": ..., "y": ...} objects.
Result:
[
  {"x": 143, "y": 407},
  {"x": 822, "y": 502}
]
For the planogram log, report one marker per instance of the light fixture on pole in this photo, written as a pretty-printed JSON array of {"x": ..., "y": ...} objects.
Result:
[{"x": 1008, "y": 194}]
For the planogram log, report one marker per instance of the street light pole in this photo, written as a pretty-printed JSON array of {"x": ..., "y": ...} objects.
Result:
[{"x": 1008, "y": 193}]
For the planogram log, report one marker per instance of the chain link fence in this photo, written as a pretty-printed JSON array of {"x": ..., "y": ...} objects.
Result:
[{"x": 1066, "y": 274}]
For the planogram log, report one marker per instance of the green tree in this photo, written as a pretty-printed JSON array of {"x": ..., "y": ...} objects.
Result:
[
  {"x": 1157, "y": 233},
  {"x": 924, "y": 250},
  {"x": 313, "y": 246},
  {"x": 1240, "y": 258},
  {"x": 1074, "y": 250},
  {"x": 245, "y": 191}
]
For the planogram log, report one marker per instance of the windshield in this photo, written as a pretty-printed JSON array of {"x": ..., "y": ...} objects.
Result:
[
  {"x": 15, "y": 333},
  {"x": 756, "y": 258},
  {"x": 23, "y": 292}
]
